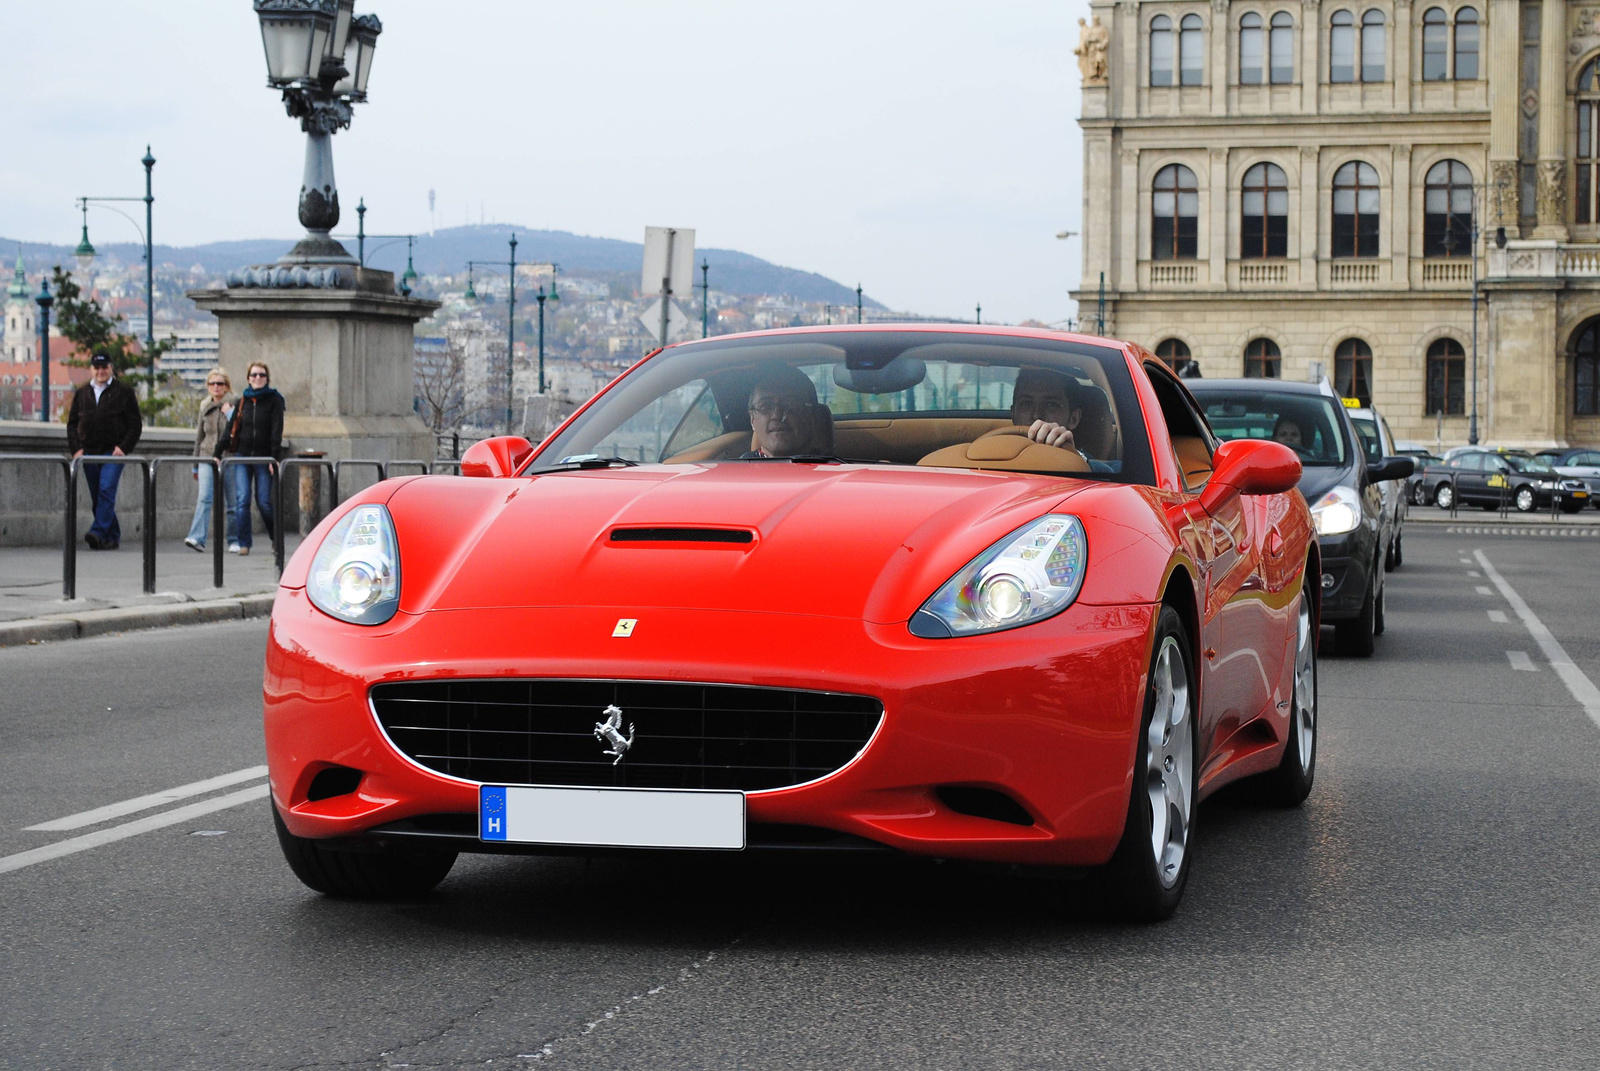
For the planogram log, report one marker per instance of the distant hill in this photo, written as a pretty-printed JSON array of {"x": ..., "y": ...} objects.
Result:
[{"x": 448, "y": 250}]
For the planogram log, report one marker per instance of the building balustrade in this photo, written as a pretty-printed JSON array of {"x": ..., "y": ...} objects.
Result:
[
  {"x": 1263, "y": 273},
  {"x": 1353, "y": 272},
  {"x": 1544, "y": 260},
  {"x": 1455, "y": 271}
]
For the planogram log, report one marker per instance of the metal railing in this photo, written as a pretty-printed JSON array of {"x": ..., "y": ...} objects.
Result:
[{"x": 69, "y": 519}]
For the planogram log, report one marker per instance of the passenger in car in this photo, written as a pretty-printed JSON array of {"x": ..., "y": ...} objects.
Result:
[
  {"x": 785, "y": 418},
  {"x": 1288, "y": 432},
  {"x": 1047, "y": 404}
]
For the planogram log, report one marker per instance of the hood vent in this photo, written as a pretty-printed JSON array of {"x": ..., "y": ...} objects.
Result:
[{"x": 682, "y": 535}]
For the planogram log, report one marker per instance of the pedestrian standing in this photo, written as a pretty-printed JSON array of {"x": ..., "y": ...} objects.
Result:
[
  {"x": 255, "y": 431},
  {"x": 104, "y": 419},
  {"x": 215, "y": 416}
]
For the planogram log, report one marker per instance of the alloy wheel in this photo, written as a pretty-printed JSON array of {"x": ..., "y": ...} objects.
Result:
[
  {"x": 1444, "y": 496},
  {"x": 1169, "y": 772},
  {"x": 1305, "y": 686},
  {"x": 1525, "y": 502}
]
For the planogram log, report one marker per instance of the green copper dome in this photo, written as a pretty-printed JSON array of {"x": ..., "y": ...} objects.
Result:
[{"x": 19, "y": 282}]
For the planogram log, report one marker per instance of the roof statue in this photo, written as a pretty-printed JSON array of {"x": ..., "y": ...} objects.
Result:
[{"x": 1093, "y": 39}]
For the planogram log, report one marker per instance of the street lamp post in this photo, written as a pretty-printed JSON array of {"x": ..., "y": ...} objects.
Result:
[
  {"x": 858, "y": 303},
  {"x": 45, "y": 300},
  {"x": 541, "y": 297},
  {"x": 361, "y": 232},
  {"x": 85, "y": 255},
  {"x": 979, "y": 318},
  {"x": 705, "y": 297},
  {"x": 511, "y": 322}
]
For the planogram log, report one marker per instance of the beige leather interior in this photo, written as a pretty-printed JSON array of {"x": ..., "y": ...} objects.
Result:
[
  {"x": 1193, "y": 458},
  {"x": 1013, "y": 452}
]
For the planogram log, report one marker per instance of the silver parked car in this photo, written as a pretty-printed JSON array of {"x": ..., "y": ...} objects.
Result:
[
  {"x": 1378, "y": 443},
  {"x": 1579, "y": 463}
]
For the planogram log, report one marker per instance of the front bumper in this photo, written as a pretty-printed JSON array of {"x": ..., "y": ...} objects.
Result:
[
  {"x": 1046, "y": 714},
  {"x": 1347, "y": 566}
]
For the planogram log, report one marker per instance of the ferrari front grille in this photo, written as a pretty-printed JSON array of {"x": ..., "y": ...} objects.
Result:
[{"x": 552, "y": 732}]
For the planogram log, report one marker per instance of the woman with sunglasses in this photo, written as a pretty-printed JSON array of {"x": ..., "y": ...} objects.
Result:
[
  {"x": 257, "y": 431},
  {"x": 213, "y": 426}
]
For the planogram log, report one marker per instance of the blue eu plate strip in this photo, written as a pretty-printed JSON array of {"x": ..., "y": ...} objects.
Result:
[{"x": 491, "y": 812}]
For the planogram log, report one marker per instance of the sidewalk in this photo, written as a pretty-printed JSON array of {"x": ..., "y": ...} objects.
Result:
[
  {"x": 1585, "y": 519},
  {"x": 111, "y": 590}
]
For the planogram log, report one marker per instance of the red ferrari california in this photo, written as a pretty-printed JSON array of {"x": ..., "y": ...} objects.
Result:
[{"x": 976, "y": 593}]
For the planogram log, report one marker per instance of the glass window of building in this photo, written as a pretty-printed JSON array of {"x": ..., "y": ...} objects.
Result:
[
  {"x": 1262, "y": 359},
  {"x": 1191, "y": 51},
  {"x": 1586, "y": 370},
  {"x": 1264, "y": 215},
  {"x": 1588, "y": 155},
  {"x": 1374, "y": 44},
  {"x": 1435, "y": 45},
  {"x": 1466, "y": 45},
  {"x": 1174, "y": 353},
  {"x": 1282, "y": 47},
  {"x": 1250, "y": 50},
  {"x": 1175, "y": 214},
  {"x": 1447, "y": 378},
  {"x": 1161, "y": 51},
  {"x": 1352, "y": 370},
  {"x": 1447, "y": 210},
  {"x": 1342, "y": 47},
  {"x": 1355, "y": 210}
]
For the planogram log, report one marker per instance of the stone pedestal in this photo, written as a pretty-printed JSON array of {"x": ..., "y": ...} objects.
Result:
[{"x": 342, "y": 359}]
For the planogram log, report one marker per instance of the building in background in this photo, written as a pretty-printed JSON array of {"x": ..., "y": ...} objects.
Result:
[
  {"x": 195, "y": 353},
  {"x": 21, "y": 338},
  {"x": 1272, "y": 186}
]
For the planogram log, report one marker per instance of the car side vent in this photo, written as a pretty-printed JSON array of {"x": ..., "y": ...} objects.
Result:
[
  {"x": 682, "y": 535},
  {"x": 331, "y": 782},
  {"x": 983, "y": 803}
]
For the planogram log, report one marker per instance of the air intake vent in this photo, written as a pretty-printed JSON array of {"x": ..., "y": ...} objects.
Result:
[{"x": 682, "y": 535}]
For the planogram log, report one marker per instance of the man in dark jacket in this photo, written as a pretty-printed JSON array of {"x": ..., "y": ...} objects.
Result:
[{"x": 104, "y": 419}]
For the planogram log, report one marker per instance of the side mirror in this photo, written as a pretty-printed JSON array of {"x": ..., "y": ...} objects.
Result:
[
  {"x": 1250, "y": 467},
  {"x": 499, "y": 456},
  {"x": 1391, "y": 468}
]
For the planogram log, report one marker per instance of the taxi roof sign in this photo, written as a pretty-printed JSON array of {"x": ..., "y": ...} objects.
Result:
[{"x": 1351, "y": 403}]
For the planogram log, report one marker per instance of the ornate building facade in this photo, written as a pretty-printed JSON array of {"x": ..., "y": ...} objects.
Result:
[
  {"x": 20, "y": 338},
  {"x": 1273, "y": 185}
]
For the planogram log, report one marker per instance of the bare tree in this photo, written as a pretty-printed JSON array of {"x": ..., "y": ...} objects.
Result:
[{"x": 440, "y": 376}]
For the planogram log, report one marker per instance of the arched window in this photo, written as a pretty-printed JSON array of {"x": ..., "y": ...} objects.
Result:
[
  {"x": 1352, "y": 370},
  {"x": 1447, "y": 210},
  {"x": 1161, "y": 51},
  {"x": 1191, "y": 51},
  {"x": 1262, "y": 359},
  {"x": 1174, "y": 353},
  {"x": 1373, "y": 45},
  {"x": 1586, "y": 370},
  {"x": 1264, "y": 213},
  {"x": 1466, "y": 45},
  {"x": 1355, "y": 210},
  {"x": 1282, "y": 48},
  {"x": 1342, "y": 47},
  {"x": 1174, "y": 214},
  {"x": 1435, "y": 45},
  {"x": 1588, "y": 155},
  {"x": 1250, "y": 50},
  {"x": 1447, "y": 378}
]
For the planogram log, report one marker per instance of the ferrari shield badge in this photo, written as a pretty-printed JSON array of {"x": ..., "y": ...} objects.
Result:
[
  {"x": 624, "y": 627},
  {"x": 610, "y": 732}
]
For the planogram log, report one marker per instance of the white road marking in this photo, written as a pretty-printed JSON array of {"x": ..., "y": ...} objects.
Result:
[
  {"x": 1466, "y": 561},
  {"x": 1577, "y": 682},
  {"x": 1520, "y": 660},
  {"x": 144, "y": 803},
  {"x": 1474, "y": 574},
  {"x": 99, "y": 837},
  {"x": 1485, "y": 591},
  {"x": 1497, "y": 616}
]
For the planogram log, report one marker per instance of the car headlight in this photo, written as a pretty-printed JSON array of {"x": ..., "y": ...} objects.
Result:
[
  {"x": 1337, "y": 512},
  {"x": 356, "y": 573},
  {"x": 1031, "y": 574}
]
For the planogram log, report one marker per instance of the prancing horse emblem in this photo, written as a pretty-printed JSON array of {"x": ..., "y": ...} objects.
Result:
[{"x": 610, "y": 731}]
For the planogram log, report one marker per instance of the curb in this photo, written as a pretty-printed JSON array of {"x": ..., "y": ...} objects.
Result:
[{"x": 30, "y": 630}]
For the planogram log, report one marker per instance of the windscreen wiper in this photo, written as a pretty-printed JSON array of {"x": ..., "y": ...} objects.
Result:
[
  {"x": 583, "y": 461},
  {"x": 821, "y": 459}
]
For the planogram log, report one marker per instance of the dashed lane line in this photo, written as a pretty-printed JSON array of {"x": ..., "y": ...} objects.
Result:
[
  {"x": 100, "y": 837},
  {"x": 144, "y": 803},
  {"x": 1498, "y": 617},
  {"x": 1484, "y": 590},
  {"x": 1577, "y": 682},
  {"x": 1520, "y": 660}
]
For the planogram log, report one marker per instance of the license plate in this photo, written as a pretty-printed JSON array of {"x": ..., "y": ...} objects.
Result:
[
  {"x": 610, "y": 817},
  {"x": 1580, "y": 494}
]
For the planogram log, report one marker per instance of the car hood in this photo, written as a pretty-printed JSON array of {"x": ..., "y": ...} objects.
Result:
[
  {"x": 865, "y": 542},
  {"x": 1318, "y": 480}
]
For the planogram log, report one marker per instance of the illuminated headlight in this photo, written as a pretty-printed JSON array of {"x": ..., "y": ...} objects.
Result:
[
  {"x": 1337, "y": 512},
  {"x": 1549, "y": 485},
  {"x": 1031, "y": 574},
  {"x": 356, "y": 573}
]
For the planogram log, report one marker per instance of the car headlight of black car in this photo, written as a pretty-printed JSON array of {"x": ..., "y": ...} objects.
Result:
[
  {"x": 356, "y": 573},
  {"x": 1031, "y": 574}
]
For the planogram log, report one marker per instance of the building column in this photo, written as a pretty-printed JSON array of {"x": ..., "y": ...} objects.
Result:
[
  {"x": 1552, "y": 200},
  {"x": 1219, "y": 197},
  {"x": 1310, "y": 215},
  {"x": 1126, "y": 82},
  {"x": 1400, "y": 216},
  {"x": 1311, "y": 54},
  {"x": 1400, "y": 50},
  {"x": 1502, "y": 35},
  {"x": 1221, "y": 33},
  {"x": 1131, "y": 212}
]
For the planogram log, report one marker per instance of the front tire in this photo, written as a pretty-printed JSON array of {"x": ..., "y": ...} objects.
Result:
[
  {"x": 1419, "y": 495},
  {"x": 360, "y": 875},
  {"x": 1525, "y": 500},
  {"x": 1356, "y": 638},
  {"x": 1444, "y": 496},
  {"x": 1145, "y": 878},
  {"x": 1290, "y": 783}
]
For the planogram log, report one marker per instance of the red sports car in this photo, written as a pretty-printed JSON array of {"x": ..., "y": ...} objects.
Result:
[{"x": 978, "y": 593}]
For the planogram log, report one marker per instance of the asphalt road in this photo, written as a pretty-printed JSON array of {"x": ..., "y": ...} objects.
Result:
[{"x": 1432, "y": 904}]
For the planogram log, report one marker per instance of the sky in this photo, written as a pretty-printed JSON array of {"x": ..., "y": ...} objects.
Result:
[{"x": 927, "y": 149}]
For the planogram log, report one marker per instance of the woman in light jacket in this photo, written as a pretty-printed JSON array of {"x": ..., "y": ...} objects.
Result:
[{"x": 213, "y": 425}]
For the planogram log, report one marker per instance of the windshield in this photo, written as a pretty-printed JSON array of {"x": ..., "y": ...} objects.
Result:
[
  {"x": 1531, "y": 464},
  {"x": 881, "y": 397},
  {"x": 1309, "y": 423}
]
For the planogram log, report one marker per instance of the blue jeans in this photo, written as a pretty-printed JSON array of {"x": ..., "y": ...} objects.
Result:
[
  {"x": 200, "y": 529},
  {"x": 243, "y": 476},
  {"x": 103, "y": 480}
]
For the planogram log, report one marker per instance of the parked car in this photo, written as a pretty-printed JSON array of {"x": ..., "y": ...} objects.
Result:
[
  {"x": 1579, "y": 463},
  {"x": 1339, "y": 482},
  {"x": 1378, "y": 442},
  {"x": 808, "y": 589},
  {"x": 1490, "y": 478}
]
